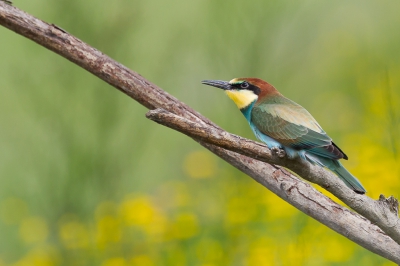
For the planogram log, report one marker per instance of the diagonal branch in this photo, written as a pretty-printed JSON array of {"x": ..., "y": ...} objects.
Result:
[{"x": 287, "y": 186}]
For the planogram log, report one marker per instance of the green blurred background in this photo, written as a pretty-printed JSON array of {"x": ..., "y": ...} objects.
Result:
[{"x": 86, "y": 179}]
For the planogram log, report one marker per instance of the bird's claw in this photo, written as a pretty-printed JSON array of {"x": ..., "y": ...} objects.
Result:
[{"x": 278, "y": 151}]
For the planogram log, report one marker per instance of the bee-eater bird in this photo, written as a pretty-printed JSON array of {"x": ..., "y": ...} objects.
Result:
[{"x": 285, "y": 126}]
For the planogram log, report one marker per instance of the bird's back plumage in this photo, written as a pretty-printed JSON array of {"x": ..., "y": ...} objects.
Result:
[{"x": 293, "y": 126}]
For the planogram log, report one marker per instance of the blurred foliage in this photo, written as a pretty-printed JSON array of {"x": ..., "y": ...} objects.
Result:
[{"x": 87, "y": 180}]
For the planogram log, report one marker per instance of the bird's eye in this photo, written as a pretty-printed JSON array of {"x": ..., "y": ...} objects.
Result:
[{"x": 244, "y": 85}]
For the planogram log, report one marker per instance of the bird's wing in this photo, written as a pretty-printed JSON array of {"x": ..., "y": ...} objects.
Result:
[{"x": 293, "y": 126}]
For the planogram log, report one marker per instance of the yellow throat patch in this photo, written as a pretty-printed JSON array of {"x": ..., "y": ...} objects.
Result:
[{"x": 242, "y": 98}]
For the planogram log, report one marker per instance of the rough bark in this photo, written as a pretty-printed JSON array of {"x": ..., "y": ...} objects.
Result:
[{"x": 378, "y": 233}]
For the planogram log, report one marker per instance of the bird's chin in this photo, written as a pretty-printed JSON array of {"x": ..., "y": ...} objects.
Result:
[{"x": 242, "y": 98}]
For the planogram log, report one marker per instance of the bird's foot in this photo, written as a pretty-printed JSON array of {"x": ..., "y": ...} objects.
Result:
[{"x": 279, "y": 151}]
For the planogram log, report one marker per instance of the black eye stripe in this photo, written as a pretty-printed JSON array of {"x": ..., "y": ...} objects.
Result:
[{"x": 247, "y": 86}]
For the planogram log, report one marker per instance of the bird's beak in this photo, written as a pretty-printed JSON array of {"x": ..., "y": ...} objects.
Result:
[{"x": 218, "y": 83}]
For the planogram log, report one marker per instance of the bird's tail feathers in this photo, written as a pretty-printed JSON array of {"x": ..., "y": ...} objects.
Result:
[
  {"x": 350, "y": 180},
  {"x": 336, "y": 167}
]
